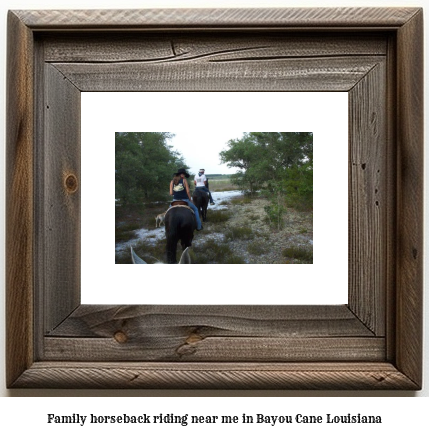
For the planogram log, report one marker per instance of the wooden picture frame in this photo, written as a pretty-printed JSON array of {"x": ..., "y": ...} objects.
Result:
[{"x": 373, "y": 342}]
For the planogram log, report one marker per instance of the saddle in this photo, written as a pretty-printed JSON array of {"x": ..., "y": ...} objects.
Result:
[{"x": 179, "y": 203}]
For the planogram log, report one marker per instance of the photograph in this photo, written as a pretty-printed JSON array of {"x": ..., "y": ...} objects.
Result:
[{"x": 251, "y": 200}]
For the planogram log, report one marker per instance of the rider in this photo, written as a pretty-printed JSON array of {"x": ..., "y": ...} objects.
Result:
[
  {"x": 179, "y": 189},
  {"x": 201, "y": 182}
]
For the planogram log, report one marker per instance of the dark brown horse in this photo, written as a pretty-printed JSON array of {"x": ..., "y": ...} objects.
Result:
[
  {"x": 201, "y": 201},
  {"x": 179, "y": 226}
]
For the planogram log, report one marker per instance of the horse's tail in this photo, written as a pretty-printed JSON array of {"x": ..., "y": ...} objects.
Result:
[
  {"x": 172, "y": 233},
  {"x": 172, "y": 241},
  {"x": 171, "y": 252}
]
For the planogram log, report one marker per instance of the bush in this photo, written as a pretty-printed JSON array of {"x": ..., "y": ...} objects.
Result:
[
  {"x": 302, "y": 254},
  {"x": 154, "y": 253},
  {"x": 247, "y": 199},
  {"x": 234, "y": 259},
  {"x": 275, "y": 212},
  {"x": 218, "y": 216},
  {"x": 257, "y": 248},
  {"x": 234, "y": 233},
  {"x": 211, "y": 252},
  {"x": 299, "y": 187}
]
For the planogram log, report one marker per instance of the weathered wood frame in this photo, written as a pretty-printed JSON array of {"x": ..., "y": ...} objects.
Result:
[{"x": 373, "y": 342}]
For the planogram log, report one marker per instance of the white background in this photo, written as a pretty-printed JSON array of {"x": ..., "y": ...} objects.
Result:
[
  {"x": 323, "y": 113},
  {"x": 21, "y": 414}
]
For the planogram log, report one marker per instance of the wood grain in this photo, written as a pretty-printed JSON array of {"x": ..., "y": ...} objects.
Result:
[
  {"x": 192, "y": 347},
  {"x": 179, "y": 47},
  {"x": 61, "y": 193},
  {"x": 99, "y": 321},
  {"x": 150, "y": 19},
  {"x": 368, "y": 202},
  {"x": 378, "y": 376},
  {"x": 409, "y": 279},
  {"x": 213, "y": 333},
  {"x": 19, "y": 200},
  {"x": 330, "y": 74}
]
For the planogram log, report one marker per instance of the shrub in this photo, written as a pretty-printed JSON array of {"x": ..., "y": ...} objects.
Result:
[
  {"x": 153, "y": 253},
  {"x": 211, "y": 252},
  {"x": 234, "y": 233},
  {"x": 247, "y": 199},
  {"x": 257, "y": 248},
  {"x": 234, "y": 259},
  {"x": 302, "y": 254},
  {"x": 275, "y": 212},
  {"x": 299, "y": 187},
  {"x": 218, "y": 216}
]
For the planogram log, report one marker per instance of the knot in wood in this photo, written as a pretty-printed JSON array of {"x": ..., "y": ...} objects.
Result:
[
  {"x": 193, "y": 338},
  {"x": 71, "y": 183},
  {"x": 120, "y": 337}
]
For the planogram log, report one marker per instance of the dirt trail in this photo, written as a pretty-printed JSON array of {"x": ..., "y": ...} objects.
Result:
[{"x": 263, "y": 244}]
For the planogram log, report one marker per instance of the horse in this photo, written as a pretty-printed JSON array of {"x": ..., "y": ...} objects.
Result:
[
  {"x": 184, "y": 258},
  {"x": 201, "y": 201},
  {"x": 179, "y": 226}
]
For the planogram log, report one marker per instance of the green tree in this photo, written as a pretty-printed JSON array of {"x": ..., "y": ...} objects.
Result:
[
  {"x": 248, "y": 157},
  {"x": 298, "y": 186},
  {"x": 264, "y": 158},
  {"x": 280, "y": 163},
  {"x": 144, "y": 164}
]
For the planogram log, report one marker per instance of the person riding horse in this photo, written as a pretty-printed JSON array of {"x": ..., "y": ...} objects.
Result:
[
  {"x": 201, "y": 182},
  {"x": 179, "y": 189}
]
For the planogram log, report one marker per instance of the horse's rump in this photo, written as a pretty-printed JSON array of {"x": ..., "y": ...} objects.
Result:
[
  {"x": 179, "y": 226},
  {"x": 201, "y": 201}
]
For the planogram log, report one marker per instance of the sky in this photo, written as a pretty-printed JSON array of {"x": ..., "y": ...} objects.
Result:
[{"x": 201, "y": 150}]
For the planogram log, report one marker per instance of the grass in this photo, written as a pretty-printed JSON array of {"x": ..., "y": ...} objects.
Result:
[
  {"x": 122, "y": 236},
  {"x": 210, "y": 252},
  {"x": 129, "y": 220},
  {"x": 242, "y": 200},
  {"x": 123, "y": 258},
  {"x": 149, "y": 253},
  {"x": 221, "y": 184},
  {"x": 234, "y": 259},
  {"x": 257, "y": 248},
  {"x": 301, "y": 254},
  {"x": 214, "y": 252},
  {"x": 124, "y": 230},
  {"x": 152, "y": 253},
  {"x": 218, "y": 216},
  {"x": 234, "y": 233}
]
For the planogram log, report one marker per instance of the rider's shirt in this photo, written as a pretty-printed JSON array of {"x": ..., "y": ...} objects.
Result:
[
  {"x": 200, "y": 179},
  {"x": 179, "y": 191}
]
